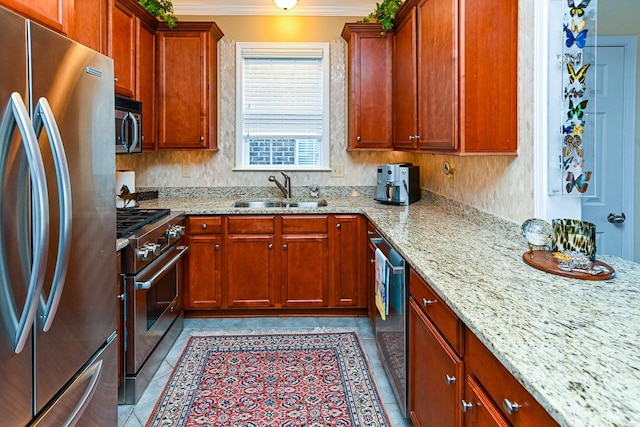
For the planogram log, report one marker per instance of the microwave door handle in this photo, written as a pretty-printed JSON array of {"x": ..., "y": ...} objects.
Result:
[
  {"x": 134, "y": 138},
  {"x": 123, "y": 132},
  {"x": 16, "y": 114},
  {"x": 44, "y": 118}
]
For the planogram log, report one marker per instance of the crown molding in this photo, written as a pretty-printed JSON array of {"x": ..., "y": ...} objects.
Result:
[{"x": 195, "y": 8}]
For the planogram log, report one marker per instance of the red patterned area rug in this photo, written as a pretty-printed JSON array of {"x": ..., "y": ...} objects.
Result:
[{"x": 271, "y": 380}]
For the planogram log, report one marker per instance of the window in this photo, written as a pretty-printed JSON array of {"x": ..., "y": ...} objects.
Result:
[{"x": 282, "y": 109}]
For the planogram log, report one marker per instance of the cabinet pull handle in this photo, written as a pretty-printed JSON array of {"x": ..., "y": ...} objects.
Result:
[
  {"x": 510, "y": 406},
  {"x": 270, "y": 245},
  {"x": 216, "y": 247},
  {"x": 428, "y": 302},
  {"x": 203, "y": 226},
  {"x": 284, "y": 247},
  {"x": 449, "y": 380},
  {"x": 370, "y": 233},
  {"x": 338, "y": 226},
  {"x": 466, "y": 406}
]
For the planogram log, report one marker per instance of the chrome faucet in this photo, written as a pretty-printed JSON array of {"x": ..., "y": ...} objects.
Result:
[{"x": 286, "y": 188}]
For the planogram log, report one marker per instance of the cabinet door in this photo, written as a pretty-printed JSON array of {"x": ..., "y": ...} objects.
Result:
[
  {"x": 479, "y": 410},
  {"x": 89, "y": 24},
  {"x": 438, "y": 76},
  {"x": 146, "y": 83},
  {"x": 489, "y": 81},
  {"x": 435, "y": 374},
  {"x": 123, "y": 49},
  {"x": 349, "y": 288},
  {"x": 405, "y": 86},
  {"x": 370, "y": 88},
  {"x": 204, "y": 272},
  {"x": 305, "y": 270},
  {"x": 250, "y": 271},
  {"x": 50, "y": 13},
  {"x": 186, "y": 85}
]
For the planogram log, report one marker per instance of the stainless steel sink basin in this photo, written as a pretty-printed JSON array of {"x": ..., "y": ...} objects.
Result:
[{"x": 280, "y": 203}]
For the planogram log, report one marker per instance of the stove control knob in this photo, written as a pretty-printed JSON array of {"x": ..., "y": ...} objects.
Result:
[
  {"x": 175, "y": 231},
  {"x": 142, "y": 254},
  {"x": 153, "y": 247}
]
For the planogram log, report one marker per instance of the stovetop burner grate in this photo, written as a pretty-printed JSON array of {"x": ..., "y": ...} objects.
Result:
[{"x": 130, "y": 220}]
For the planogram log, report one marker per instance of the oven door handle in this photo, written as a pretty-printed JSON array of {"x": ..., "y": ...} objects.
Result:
[{"x": 147, "y": 284}]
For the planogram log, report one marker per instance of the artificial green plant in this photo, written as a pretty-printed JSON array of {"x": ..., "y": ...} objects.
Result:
[
  {"x": 384, "y": 14},
  {"x": 161, "y": 9}
]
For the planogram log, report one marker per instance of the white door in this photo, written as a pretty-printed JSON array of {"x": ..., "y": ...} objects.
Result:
[{"x": 611, "y": 210}]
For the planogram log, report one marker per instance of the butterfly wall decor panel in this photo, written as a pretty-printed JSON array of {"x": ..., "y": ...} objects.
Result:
[{"x": 576, "y": 141}]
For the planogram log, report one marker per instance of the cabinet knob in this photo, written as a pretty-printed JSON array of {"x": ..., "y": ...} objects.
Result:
[
  {"x": 510, "y": 406},
  {"x": 372, "y": 261},
  {"x": 201, "y": 138},
  {"x": 122, "y": 297},
  {"x": 216, "y": 247},
  {"x": 465, "y": 406},
  {"x": 428, "y": 302},
  {"x": 449, "y": 380},
  {"x": 203, "y": 226},
  {"x": 270, "y": 245},
  {"x": 115, "y": 79},
  {"x": 338, "y": 226},
  {"x": 358, "y": 138},
  {"x": 284, "y": 247}
]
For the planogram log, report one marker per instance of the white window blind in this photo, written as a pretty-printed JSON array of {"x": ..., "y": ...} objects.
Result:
[{"x": 282, "y": 106}]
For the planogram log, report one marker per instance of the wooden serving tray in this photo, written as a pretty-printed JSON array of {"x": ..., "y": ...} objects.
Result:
[{"x": 545, "y": 261}]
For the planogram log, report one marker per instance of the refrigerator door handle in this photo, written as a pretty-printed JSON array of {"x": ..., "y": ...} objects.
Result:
[
  {"x": 43, "y": 118},
  {"x": 93, "y": 373},
  {"x": 16, "y": 114}
]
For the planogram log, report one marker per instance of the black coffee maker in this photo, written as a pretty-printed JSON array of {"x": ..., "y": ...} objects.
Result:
[{"x": 398, "y": 183}]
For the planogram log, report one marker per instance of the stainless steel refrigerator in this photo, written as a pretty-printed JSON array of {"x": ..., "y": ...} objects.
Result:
[{"x": 58, "y": 357}]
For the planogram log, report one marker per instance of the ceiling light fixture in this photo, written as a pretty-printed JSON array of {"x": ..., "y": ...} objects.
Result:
[{"x": 285, "y": 4}]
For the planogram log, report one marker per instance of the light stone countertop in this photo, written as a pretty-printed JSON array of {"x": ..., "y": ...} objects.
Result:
[{"x": 573, "y": 344}]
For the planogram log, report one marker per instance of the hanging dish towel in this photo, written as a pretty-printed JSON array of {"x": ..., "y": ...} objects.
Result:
[{"x": 382, "y": 283}]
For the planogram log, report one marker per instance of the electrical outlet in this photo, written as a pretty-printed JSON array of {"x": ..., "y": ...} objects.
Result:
[
  {"x": 337, "y": 171},
  {"x": 186, "y": 170}
]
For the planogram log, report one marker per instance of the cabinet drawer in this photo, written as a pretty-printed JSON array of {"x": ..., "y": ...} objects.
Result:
[
  {"x": 204, "y": 224},
  {"x": 441, "y": 315},
  {"x": 251, "y": 224},
  {"x": 293, "y": 224},
  {"x": 502, "y": 387}
]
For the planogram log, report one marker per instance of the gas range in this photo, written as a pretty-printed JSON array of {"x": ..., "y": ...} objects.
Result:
[{"x": 151, "y": 232}]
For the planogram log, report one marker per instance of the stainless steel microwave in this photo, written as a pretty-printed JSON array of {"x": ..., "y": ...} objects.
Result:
[{"x": 128, "y": 126}]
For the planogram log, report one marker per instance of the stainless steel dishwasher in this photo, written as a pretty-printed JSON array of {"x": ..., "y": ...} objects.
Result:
[{"x": 391, "y": 333}]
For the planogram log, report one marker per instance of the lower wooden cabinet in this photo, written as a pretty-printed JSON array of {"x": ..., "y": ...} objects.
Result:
[
  {"x": 203, "y": 289},
  {"x": 436, "y": 374},
  {"x": 302, "y": 261},
  {"x": 441, "y": 350}
]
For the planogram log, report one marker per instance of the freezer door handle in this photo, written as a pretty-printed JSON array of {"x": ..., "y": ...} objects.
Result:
[
  {"x": 92, "y": 375},
  {"x": 16, "y": 115},
  {"x": 43, "y": 118}
]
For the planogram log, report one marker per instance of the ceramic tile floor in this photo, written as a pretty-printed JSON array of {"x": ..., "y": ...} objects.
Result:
[{"x": 137, "y": 415}]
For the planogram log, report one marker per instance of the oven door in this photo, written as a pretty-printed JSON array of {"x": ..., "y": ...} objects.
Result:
[{"x": 154, "y": 303}]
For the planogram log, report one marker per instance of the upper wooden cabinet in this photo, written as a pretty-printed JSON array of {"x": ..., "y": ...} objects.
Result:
[
  {"x": 463, "y": 91},
  {"x": 370, "y": 86},
  {"x": 122, "y": 47},
  {"x": 146, "y": 82},
  {"x": 89, "y": 24},
  {"x": 50, "y": 13},
  {"x": 187, "y": 88}
]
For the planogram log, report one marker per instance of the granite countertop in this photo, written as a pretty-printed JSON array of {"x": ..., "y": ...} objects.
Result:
[{"x": 573, "y": 344}]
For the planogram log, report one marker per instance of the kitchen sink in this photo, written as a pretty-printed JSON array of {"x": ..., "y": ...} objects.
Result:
[{"x": 280, "y": 203}]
